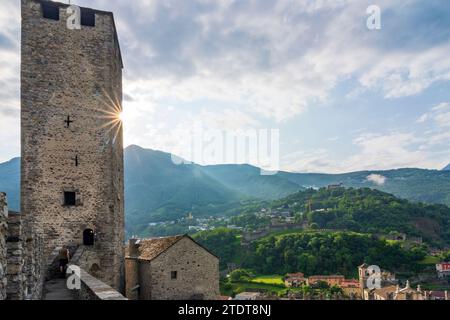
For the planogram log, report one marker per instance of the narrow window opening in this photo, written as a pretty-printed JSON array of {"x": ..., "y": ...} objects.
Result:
[
  {"x": 88, "y": 237},
  {"x": 50, "y": 10},
  {"x": 69, "y": 198},
  {"x": 173, "y": 275},
  {"x": 87, "y": 17},
  {"x": 76, "y": 161}
]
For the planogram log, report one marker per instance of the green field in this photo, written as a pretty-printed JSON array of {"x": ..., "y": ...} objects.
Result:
[
  {"x": 253, "y": 286},
  {"x": 270, "y": 279}
]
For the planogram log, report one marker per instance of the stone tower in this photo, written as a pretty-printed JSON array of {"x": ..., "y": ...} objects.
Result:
[{"x": 72, "y": 149}]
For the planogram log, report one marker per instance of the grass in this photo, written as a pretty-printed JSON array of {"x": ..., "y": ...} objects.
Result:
[
  {"x": 253, "y": 286},
  {"x": 265, "y": 283},
  {"x": 269, "y": 279},
  {"x": 430, "y": 260}
]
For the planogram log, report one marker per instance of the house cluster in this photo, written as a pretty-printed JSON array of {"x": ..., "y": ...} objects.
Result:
[
  {"x": 350, "y": 287},
  {"x": 283, "y": 212},
  {"x": 443, "y": 269},
  {"x": 389, "y": 289}
]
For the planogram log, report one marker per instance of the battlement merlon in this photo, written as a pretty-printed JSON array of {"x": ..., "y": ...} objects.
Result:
[{"x": 64, "y": 6}]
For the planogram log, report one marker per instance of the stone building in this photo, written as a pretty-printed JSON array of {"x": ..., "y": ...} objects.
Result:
[
  {"x": 331, "y": 280},
  {"x": 364, "y": 272},
  {"x": 295, "y": 280},
  {"x": 395, "y": 293},
  {"x": 71, "y": 137},
  {"x": 171, "y": 268}
]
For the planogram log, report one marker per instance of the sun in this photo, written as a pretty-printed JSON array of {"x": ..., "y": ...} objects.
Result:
[
  {"x": 121, "y": 116},
  {"x": 110, "y": 110}
]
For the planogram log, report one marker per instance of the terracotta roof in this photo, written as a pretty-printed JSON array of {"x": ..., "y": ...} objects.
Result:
[
  {"x": 151, "y": 248},
  {"x": 350, "y": 283},
  {"x": 364, "y": 265},
  {"x": 295, "y": 275},
  {"x": 383, "y": 292},
  {"x": 326, "y": 277}
]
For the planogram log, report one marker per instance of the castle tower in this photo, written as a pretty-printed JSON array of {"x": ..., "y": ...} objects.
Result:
[{"x": 72, "y": 152}]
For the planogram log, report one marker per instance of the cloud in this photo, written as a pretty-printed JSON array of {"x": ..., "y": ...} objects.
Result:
[
  {"x": 439, "y": 114},
  {"x": 377, "y": 179},
  {"x": 190, "y": 51},
  {"x": 308, "y": 161},
  {"x": 423, "y": 118},
  {"x": 246, "y": 63},
  {"x": 374, "y": 151}
]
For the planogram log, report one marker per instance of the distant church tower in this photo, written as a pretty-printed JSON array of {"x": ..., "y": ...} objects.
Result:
[{"x": 72, "y": 149}]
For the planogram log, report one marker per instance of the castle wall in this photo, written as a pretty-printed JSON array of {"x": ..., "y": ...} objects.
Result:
[
  {"x": 77, "y": 74},
  {"x": 3, "y": 230},
  {"x": 197, "y": 273},
  {"x": 17, "y": 280}
]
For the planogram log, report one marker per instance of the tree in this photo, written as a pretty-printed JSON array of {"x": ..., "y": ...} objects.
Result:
[
  {"x": 314, "y": 226},
  {"x": 239, "y": 275}
]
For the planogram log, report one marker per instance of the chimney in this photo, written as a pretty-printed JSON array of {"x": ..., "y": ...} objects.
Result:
[{"x": 133, "y": 247}]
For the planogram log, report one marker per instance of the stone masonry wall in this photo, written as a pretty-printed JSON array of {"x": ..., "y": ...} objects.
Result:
[
  {"x": 197, "y": 273},
  {"x": 18, "y": 279},
  {"x": 16, "y": 287},
  {"x": 3, "y": 229},
  {"x": 35, "y": 268},
  {"x": 77, "y": 74}
]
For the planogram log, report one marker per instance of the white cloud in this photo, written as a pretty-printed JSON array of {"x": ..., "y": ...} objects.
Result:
[
  {"x": 377, "y": 179},
  {"x": 440, "y": 107},
  {"x": 375, "y": 151},
  {"x": 401, "y": 74},
  {"x": 439, "y": 114},
  {"x": 246, "y": 63},
  {"x": 423, "y": 118}
]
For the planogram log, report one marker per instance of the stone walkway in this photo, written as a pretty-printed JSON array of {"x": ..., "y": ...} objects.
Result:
[{"x": 56, "y": 289}]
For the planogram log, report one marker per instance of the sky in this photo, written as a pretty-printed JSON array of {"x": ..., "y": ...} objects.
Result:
[{"x": 341, "y": 96}]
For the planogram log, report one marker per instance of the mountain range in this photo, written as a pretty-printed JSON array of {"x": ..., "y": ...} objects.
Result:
[{"x": 157, "y": 189}]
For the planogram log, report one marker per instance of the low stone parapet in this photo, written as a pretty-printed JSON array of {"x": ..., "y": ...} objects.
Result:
[{"x": 94, "y": 289}]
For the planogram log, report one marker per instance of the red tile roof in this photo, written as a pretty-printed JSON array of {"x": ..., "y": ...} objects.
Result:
[{"x": 151, "y": 248}]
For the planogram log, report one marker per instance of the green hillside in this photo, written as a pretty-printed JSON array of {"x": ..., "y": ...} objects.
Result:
[
  {"x": 372, "y": 211},
  {"x": 432, "y": 186},
  {"x": 156, "y": 189},
  {"x": 247, "y": 180},
  {"x": 159, "y": 190},
  {"x": 312, "y": 252}
]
